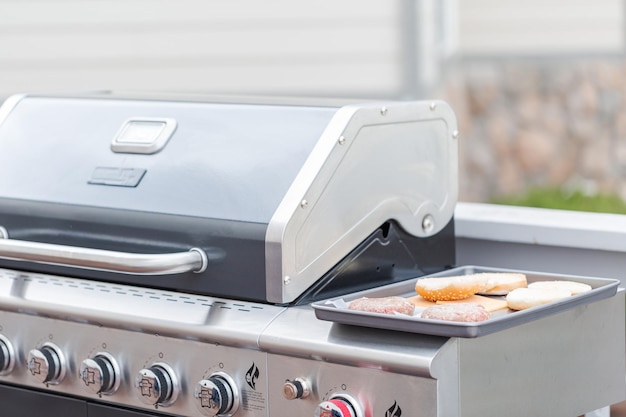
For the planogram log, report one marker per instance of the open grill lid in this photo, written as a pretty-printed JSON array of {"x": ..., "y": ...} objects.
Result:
[{"x": 243, "y": 200}]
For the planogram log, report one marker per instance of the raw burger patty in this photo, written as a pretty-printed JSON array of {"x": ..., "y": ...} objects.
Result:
[
  {"x": 384, "y": 305},
  {"x": 466, "y": 312}
]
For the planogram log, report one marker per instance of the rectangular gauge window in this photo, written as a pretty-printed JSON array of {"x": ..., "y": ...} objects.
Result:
[{"x": 143, "y": 135}]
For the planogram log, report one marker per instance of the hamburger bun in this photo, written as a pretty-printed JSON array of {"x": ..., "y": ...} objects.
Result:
[
  {"x": 501, "y": 283},
  {"x": 463, "y": 286},
  {"x": 450, "y": 288},
  {"x": 574, "y": 287},
  {"x": 490, "y": 304},
  {"x": 524, "y": 298}
]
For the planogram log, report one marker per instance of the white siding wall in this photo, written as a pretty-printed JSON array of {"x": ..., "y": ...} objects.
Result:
[
  {"x": 541, "y": 27},
  {"x": 322, "y": 47}
]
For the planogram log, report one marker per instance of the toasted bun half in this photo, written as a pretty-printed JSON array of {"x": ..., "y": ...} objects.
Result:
[
  {"x": 523, "y": 298},
  {"x": 574, "y": 287},
  {"x": 500, "y": 283},
  {"x": 489, "y": 303},
  {"x": 450, "y": 288}
]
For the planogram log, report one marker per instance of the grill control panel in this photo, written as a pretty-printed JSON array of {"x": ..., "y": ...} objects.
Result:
[
  {"x": 182, "y": 377},
  {"x": 336, "y": 390},
  {"x": 144, "y": 371}
]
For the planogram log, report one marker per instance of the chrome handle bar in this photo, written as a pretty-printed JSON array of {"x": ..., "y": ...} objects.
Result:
[{"x": 194, "y": 260}]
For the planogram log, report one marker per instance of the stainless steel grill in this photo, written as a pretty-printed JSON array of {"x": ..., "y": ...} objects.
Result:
[{"x": 161, "y": 257}]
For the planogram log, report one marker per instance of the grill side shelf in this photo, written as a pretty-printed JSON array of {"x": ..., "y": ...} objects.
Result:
[{"x": 327, "y": 310}]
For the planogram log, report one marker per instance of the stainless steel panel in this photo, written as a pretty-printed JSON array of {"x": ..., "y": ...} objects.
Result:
[
  {"x": 375, "y": 391},
  {"x": 297, "y": 332},
  {"x": 186, "y": 316},
  {"x": 373, "y": 163},
  {"x": 223, "y": 161},
  {"x": 562, "y": 365},
  {"x": 191, "y": 360}
]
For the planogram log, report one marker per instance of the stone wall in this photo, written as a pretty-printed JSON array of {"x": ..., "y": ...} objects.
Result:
[{"x": 527, "y": 122}]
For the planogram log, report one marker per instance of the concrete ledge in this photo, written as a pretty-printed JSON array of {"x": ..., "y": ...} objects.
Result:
[{"x": 568, "y": 229}]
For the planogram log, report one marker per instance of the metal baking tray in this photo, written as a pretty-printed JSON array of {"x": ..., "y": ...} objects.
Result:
[{"x": 503, "y": 319}]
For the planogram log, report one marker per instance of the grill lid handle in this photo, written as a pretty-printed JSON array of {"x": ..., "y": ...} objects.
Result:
[{"x": 194, "y": 260}]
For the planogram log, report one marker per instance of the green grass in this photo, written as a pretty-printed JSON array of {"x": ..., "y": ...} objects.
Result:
[{"x": 558, "y": 198}]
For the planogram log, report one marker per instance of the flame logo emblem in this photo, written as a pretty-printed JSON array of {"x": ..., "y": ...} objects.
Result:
[
  {"x": 252, "y": 375},
  {"x": 394, "y": 411}
]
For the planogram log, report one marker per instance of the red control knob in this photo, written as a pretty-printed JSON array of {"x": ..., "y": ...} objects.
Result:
[{"x": 339, "y": 406}]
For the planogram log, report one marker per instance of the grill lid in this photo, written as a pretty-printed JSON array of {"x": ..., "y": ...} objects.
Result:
[{"x": 287, "y": 190}]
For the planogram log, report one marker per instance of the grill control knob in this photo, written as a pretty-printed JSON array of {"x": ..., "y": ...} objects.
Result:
[
  {"x": 157, "y": 385},
  {"x": 217, "y": 395},
  {"x": 100, "y": 374},
  {"x": 47, "y": 364},
  {"x": 339, "y": 405},
  {"x": 298, "y": 388},
  {"x": 7, "y": 356}
]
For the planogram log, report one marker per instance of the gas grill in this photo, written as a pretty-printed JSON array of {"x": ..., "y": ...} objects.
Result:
[{"x": 174, "y": 256}]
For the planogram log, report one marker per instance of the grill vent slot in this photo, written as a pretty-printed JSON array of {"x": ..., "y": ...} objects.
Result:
[{"x": 122, "y": 294}]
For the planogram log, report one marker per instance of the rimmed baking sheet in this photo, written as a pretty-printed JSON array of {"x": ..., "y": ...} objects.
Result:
[{"x": 328, "y": 310}]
